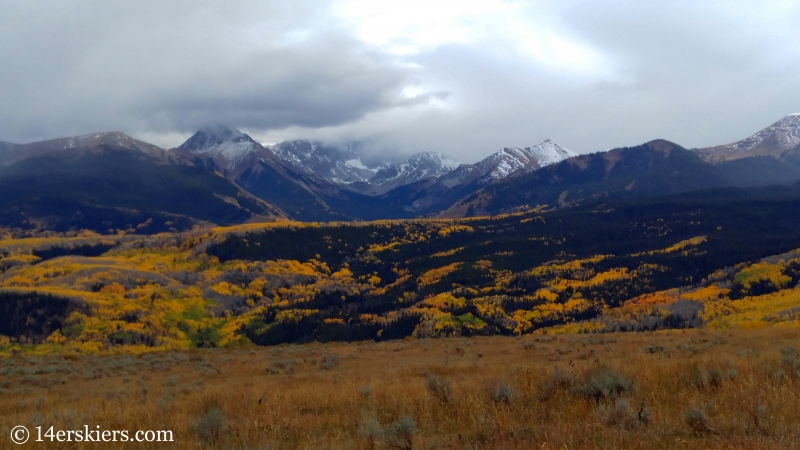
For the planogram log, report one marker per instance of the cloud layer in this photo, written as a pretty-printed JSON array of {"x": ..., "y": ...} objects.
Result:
[{"x": 463, "y": 78}]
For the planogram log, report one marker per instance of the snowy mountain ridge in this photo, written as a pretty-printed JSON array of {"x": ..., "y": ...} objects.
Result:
[
  {"x": 231, "y": 146},
  {"x": 112, "y": 139},
  {"x": 774, "y": 140},
  {"x": 785, "y": 131},
  {"x": 417, "y": 167},
  {"x": 336, "y": 165},
  {"x": 515, "y": 160}
]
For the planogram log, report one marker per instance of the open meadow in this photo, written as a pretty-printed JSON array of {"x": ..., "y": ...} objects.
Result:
[{"x": 669, "y": 389}]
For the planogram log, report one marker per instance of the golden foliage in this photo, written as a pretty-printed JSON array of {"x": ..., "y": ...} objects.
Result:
[{"x": 435, "y": 275}]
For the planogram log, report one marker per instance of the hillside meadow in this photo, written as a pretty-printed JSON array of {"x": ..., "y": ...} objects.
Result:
[
  {"x": 668, "y": 389},
  {"x": 661, "y": 324}
]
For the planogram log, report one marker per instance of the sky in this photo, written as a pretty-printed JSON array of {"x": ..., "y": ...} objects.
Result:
[{"x": 464, "y": 78}]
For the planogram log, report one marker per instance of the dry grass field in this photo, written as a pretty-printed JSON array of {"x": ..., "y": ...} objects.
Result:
[{"x": 676, "y": 389}]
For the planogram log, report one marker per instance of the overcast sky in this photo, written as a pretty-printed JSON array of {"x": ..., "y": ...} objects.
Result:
[{"x": 460, "y": 77}]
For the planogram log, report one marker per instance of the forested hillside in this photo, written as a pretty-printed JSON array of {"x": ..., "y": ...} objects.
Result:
[
  {"x": 676, "y": 261},
  {"x": 111, "y": 189}
]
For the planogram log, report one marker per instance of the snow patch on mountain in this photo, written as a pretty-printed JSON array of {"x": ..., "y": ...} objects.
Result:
[
  {"x": 784, "y": 133},
  {"x": 511, "y": 160},
  {"x": 416, "y": 168},
  {"x": 341, "y": 166},
  {"x": 356, "y": 163},
  {"x": 219, "y": 142}
]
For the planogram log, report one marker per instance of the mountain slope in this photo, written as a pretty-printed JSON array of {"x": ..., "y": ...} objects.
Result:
[
  {"x": 257, "y": 169},
  {"x": 8, "y": 152},
  {"x": 771, "y": 156},
  {"x": 11, "y": 153},
  {"x": 336, "y": 165},
  {"x": 655, "y": 168},
  {"x": 511, "y": 161},
  {"x": 345, "y": 166},
  {"x": 433, "y": 196},
  {"x": 776, "y": 140},
  {"x": 106, "y": 188},
  {"x": 221, "y": 148},
  {"x": 418, "y": 167}
]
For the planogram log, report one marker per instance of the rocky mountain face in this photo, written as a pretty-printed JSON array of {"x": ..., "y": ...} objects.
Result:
[
  {"x": 259, "y": 170},
  {"x": 511, "y": 161},
  {"x": 221, "y": 148},
  {"x": 418, "y": 167},
  {"x": 350, "y": 169},
  {"x": 508, "y": 162},
  {"x": 340, "y": 166}
]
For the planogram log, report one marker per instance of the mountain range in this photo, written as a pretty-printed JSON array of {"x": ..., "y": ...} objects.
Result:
[{"x": 113, "y": 182}]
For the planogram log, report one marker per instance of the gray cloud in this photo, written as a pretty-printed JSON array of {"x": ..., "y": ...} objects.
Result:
[
  {"x": 107, "y": 65},
  {"x": 697, "y": 73}
]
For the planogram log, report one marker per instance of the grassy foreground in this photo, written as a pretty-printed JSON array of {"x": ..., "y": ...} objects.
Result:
[{"x": 674, "y": 389}]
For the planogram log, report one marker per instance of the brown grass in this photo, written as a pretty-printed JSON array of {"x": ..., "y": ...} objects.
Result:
[{"x": 283, "y": 397}]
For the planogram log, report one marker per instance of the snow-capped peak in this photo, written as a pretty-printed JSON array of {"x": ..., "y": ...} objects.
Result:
[
  {"x": 548, "y": 152},
  {"x": 219, "y": 141},
  {"x": 511, "y": 160},
  {"x": 211, "y": 136},
  {"x": 783, "y": 134}
]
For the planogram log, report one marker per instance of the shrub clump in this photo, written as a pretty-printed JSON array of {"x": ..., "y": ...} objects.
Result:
[
  {"x": 559, "y": 380},
  {"x": 440, "y": 388},
  {"x": 329, "y": 362},
  {"x": 653, "y": 348},
  {"x": 365, "y": 391},
  {"x": 620, "y": 413},
  {"x": 212, "y": 423},
  {"x": 281, "y": 366},
  {"x": 500, "y": 392},
  {"x": 399, "y": 435},
  {"x": 790, "y": 359},
  {"x": 707, "y": 378},
  {"x": 697, "y": 421},
  {"x": 601, "y": 384}
]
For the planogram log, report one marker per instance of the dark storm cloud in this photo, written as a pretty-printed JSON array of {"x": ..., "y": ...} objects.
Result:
[
  {"x": 590, "y": 75},
  {"x": 76, "y": 67},
  {"x": 326, "y": 82}
]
